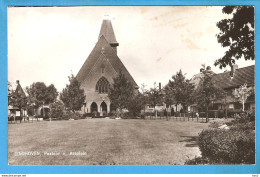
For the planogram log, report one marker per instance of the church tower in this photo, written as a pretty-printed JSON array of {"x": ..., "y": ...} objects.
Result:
[
  {"x": 108, "y": 32},
  {"x": 97, "y": 73}
]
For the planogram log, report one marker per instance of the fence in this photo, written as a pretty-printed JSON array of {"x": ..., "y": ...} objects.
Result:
[
  {"x": 20, "y": 119},
  {"x": 169, "y": 118},
  {"x": 191, "y": 116}
]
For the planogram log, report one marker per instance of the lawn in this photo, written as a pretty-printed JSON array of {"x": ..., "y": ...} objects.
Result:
[{"x": 103, "y": 142}]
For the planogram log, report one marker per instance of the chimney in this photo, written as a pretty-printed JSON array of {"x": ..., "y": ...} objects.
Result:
[
  {"x": 160, "y": 86},
  {"x": 233, "y": 70},
  {"x": 208, "y": 68}
]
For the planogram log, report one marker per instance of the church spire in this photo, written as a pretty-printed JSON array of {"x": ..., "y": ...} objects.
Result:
[{"x": 108, "y": 32}]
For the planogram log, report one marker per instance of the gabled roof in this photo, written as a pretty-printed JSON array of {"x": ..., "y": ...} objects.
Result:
[
  {"x": 241, "y": 76},
  {"x": 107, "y": 31},
  {"x": 110, "y": 54},
  {"x": 19, "y": 90}
]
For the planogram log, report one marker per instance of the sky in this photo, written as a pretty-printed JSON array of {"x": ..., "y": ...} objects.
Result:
[{"x": 48, "y": 44}]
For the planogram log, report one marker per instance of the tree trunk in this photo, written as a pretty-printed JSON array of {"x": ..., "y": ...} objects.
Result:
[
  {"x": 243, "y": 103},
  {"x": 207, "y": 115},
  {"x": 144, "y": 111}
]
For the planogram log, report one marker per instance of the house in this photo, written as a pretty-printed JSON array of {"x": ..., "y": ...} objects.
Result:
[
  {"x": 97, "y": 73},
  {"x": 229, "y": 81},
  {"x": 14, "y": 110}
]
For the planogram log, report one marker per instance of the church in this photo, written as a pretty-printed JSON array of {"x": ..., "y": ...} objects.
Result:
[{"x": 97, "y": 73}]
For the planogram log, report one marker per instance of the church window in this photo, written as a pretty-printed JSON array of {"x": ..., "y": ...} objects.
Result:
[{"x": 102, "y": 85}]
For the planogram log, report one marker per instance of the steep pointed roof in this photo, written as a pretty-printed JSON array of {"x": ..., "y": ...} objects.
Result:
[
  {"x": 103, "y": 47},
  {"x": 107, "y": 31},
  {"x": 19, "y": 89}
]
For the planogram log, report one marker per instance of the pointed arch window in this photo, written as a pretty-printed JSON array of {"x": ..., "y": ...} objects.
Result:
[{"x": 102, "y": 85}]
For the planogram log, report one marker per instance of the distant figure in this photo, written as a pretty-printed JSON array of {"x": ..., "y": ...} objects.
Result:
[{"x": 197, "y": 115}]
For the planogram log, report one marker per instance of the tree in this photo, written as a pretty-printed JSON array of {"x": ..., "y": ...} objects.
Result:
[
  {"x": 40, "y": 94},
  {"x": 237, "y": 33},
  {"x": 242, "y": 93},
  {"x": 206, "y": 92},
  {"x": 121, "y": 93},
  {"x": 73, "y": 96},
  {"x": 57, "y": 109},
  {"x": 136, "y": 104},
  {"x": 143, "y": 98},
  {"x": 154, "y": 97},
  {"x": 179, "y": 90}
]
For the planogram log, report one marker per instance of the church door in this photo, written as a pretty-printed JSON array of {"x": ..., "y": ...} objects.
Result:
[
  {"x": 93, "y": 108},
  {"x": 103, "y": 107}
]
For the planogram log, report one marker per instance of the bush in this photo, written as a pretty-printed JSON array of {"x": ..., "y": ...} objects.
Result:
[
  {"x": 70, "y": 115},
  {"x": 127, "y": 115},
  {"x": 87, "y": 115},
  {"x": 56, "y": 109},
  {"x": 233, "y": 113},
  {"x": 112, "y": 113},
  {"x": 245, "y": 117},
  {"x": 232, "y": 146}
]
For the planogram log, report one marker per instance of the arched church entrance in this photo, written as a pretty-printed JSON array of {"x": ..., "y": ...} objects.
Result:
[
  {"x": 93, "y": 108},
  {"x": 103, "y": 107}
]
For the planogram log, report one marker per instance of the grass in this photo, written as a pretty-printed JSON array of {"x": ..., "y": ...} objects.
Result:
[{"x": 105, "y": 142}]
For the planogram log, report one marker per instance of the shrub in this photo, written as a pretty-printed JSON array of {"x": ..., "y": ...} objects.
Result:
[
  {"x": 127, "y": 115},
  {"x": 232, "y": 146},
  {"x": 112, "y": 114},
  {"x": 68, "y": 115},
  {"x": 233, "y": 113},
  {"x": 86, "y": 115},
  {"x": 245, "y": 116},
  {"x": 56, "y": 109}
]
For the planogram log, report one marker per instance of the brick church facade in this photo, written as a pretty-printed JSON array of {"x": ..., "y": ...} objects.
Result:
[{"x": 97, "y": 73}]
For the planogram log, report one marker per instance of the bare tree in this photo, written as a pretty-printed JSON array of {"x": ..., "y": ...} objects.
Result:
[{"x": 242, "y": 93}]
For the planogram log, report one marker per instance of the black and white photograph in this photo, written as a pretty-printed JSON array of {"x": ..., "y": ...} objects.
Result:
[{"x": 131, "y": 85}]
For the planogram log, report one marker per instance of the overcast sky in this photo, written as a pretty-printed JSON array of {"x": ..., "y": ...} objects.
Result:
[{"x": 49, "y": 43}]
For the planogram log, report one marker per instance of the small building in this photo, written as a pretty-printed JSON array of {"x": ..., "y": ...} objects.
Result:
[{"x": 14, "y": 110}]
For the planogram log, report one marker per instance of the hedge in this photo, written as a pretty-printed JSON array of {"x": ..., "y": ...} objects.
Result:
[{"x": 232, "y": 146}]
